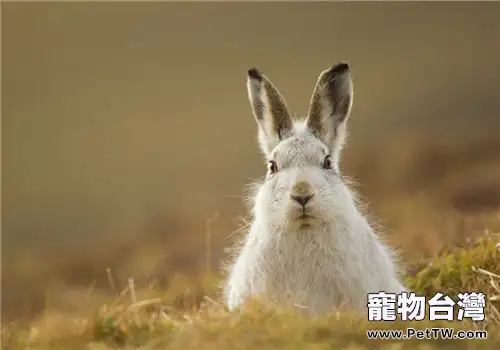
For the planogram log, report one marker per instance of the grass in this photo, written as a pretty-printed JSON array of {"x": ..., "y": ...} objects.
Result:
[{"x": 154, "y": 319}]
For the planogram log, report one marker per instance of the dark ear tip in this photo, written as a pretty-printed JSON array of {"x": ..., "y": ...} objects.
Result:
[
  {"x": 340, "y": 68},
  {"x": 254, "y": 74}
]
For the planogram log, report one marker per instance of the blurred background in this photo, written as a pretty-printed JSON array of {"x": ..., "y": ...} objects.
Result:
[{"x": 126, "y": 127}]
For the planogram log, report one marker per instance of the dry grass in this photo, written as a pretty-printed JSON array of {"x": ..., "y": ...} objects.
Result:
[
  {"x": 435, "y": 200},
  {"x": 154, "y": 319}
]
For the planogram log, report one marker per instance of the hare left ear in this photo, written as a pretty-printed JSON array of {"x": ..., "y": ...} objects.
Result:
[
  {"x": 269, "y": 109},
  {"x": 330, "y": 107}
]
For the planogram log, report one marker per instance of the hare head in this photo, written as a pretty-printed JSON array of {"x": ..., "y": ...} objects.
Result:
[{"x": 303, "y": 187}]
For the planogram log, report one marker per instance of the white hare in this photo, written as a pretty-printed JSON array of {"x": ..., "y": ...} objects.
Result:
[{"x": 308, "y": 245}]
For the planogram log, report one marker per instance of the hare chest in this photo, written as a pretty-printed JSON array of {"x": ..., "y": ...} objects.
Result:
[{"x": 312, "y": 275}]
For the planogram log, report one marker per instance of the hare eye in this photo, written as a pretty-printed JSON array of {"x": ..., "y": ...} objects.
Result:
[
  {"x": 327, "y": 163},
  {"x": 273, "y": 167}
]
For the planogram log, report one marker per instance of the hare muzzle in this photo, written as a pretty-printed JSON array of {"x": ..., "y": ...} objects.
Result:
[{"x": 302, "y": 194}]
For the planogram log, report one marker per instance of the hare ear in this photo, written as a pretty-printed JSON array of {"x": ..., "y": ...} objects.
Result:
[
  {"x": 330, "y": 106},
  {"x": 269, "y": 109}
]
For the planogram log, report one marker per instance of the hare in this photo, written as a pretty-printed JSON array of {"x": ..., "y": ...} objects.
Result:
[{"x": 309, "y": 247}]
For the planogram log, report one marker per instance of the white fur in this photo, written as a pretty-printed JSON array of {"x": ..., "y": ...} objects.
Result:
[{"x": 333, "y": 260}]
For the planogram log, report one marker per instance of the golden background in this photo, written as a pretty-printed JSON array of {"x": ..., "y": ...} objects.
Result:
[{"x": 126, "y": 125}]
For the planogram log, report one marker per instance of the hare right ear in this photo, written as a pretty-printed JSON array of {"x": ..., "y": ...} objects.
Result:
[
  {"x": 330, "y": 106},
  {"x": 269, "y": 109}
]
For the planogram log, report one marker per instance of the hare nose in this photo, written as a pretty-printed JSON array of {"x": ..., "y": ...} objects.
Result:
[
  {"x": 302, "y": 192},
  {"x": 302, "y": 199}
]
